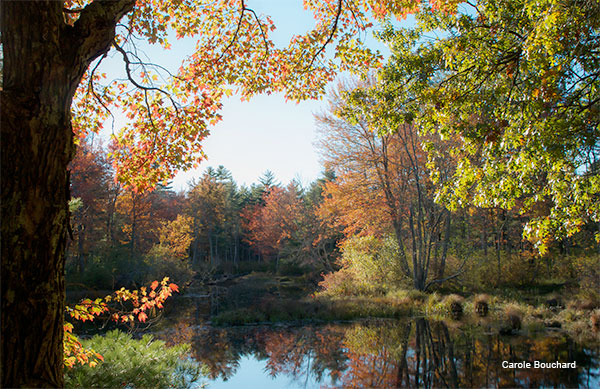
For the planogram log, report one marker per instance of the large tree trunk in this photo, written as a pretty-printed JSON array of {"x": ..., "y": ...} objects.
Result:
[{"x": 44, "y": 60}]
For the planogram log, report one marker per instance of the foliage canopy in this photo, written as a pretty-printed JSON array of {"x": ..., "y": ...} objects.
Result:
[{"x": 517, "y": 85}]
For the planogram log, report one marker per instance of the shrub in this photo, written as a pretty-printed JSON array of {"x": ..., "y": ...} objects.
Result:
[
  {"x": 111, "y": 268},
  {"x": 339, "y": 283},
  {"x": 369, "y": 266},
  {"x": 587, "y": 269},
  {"x": 595, "y": 320},
  {"x": 142, "y": 363}
]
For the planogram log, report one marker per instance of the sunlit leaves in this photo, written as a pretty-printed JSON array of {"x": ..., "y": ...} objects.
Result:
[
  {"x": 74, "y": 352},
  {"x": 123, "y": 306},
  {"x": 169, "y": 112},
  {"x": 177, "y": 236},
  {"x": 516, "y": 83}
]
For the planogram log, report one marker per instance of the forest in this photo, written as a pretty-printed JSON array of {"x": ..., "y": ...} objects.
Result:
[{"x": 455, "y": 223}]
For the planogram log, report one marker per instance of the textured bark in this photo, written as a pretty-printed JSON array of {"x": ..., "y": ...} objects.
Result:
[{"x": 44, "y": 60}]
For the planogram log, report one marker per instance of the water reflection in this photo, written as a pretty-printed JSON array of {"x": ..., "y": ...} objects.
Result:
[{"x": 388, "y": 354}]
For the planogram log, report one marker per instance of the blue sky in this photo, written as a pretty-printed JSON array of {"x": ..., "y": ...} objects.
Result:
[{"x": 265, "y": 133}]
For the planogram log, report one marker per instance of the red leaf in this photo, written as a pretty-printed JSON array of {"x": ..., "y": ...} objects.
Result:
[
  {"x": 142, "y": 317},
  {"x": 154, "y": 285},
  {"x": 174, "y": 288}
]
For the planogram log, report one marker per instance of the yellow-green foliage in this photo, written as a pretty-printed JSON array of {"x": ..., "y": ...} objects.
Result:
[
  {"x": 587, "y": 269},
  {"x": 162, "y": 261},
  {"x": 369, "y": 266},
  {"x": 373, "y": 261},
  {"x": 482, "y": 271},
  {"x": 435, "y": 305}
]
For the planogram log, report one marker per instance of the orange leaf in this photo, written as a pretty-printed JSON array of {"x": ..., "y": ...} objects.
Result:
[
  {"x": 154, "y": 285},
  {"x": 142, "y": 317}
]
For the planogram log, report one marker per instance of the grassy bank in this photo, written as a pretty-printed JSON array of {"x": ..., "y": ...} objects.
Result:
[{"x": 507, "y": 312}]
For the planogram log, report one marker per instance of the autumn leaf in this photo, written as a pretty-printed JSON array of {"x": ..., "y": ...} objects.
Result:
[{"x": 142, "y": 317}]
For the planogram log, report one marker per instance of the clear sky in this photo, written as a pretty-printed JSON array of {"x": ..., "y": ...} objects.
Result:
[{"x": 265, "y": 133}]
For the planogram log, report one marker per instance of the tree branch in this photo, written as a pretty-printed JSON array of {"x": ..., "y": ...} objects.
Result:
[
  {"x": 330, "y": 37},
  {"x": 93, "y": 91},
  {"x": 239, "y": 25},
  {"x": 137, "y": 84},
  {"x": 440, "y": 280},
  {"x": 262, "y": 33},
  {"x": 94, "y": 31}
]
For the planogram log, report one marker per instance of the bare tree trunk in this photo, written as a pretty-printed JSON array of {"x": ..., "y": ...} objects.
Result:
[
  {"x": 110, "y": 217},
  {"x": 446, "y": 243},
  {"x": 44, "y": 60},
  {"x": 132, "y": 243},
  {"x": 80, "y": 248}
]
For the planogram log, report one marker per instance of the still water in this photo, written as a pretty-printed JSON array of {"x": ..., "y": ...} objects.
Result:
[{"x": 381, "y": 354}]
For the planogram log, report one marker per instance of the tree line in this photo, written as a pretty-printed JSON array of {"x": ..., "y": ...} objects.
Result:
[
  {"x": 121, "y": 237},
  {"x": 373, "y": 219}
]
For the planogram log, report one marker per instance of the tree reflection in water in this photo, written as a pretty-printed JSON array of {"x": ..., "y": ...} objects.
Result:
[{"x": 389, "y": 354}]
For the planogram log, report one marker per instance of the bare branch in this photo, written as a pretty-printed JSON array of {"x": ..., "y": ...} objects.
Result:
[
  {"x": 460, "y": 271},
  {"x": 137, "y": 84},
  {"x": 329, "y": 38},
  {"x": 262, "y": 33},
  {"x": 91, "y": 89},
  {"x": 239, "y": 25},
  {"x": 235, "y": 34}
]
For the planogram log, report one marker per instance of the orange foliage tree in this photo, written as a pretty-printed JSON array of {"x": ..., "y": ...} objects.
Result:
[
  {"x": 142, "y": 214},
  {"x": 91, "y": 190},
  {"x": 271, "y": 225},
  {"x": 384, "y": 184}
]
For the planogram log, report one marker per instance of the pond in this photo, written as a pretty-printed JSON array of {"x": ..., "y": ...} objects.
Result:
[{"x": 414, "y": 352}]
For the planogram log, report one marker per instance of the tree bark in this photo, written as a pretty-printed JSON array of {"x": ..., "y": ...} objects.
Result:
[{"x": 44, "y": 61}]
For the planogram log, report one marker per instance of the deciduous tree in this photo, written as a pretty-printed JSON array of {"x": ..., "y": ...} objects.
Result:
[
  {"x": 90, "y": 185},
  {"x": 270, "y": 226},
  {"x": 384, "y": 183},
  {"x": 517, "y": 84}
]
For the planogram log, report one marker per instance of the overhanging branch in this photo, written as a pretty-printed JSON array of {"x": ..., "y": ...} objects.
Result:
[{"x": 330, "y": 37}]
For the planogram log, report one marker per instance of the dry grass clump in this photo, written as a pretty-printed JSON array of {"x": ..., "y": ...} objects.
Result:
[
  {"x": 455, "y": 305},
  {"x": 595, "y": 320},
  {"x": 513, "y": 317},
  {"x": 482, "y": 304},
  {"x": 583, "y": 304}
]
